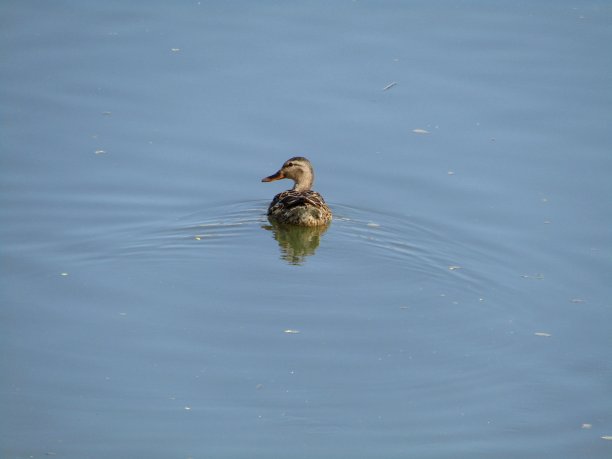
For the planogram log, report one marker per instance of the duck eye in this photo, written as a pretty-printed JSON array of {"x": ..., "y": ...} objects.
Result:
[{"x": 289, "y": 164}]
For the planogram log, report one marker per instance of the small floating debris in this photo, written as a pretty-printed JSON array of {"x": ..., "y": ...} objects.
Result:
[
  {"x": 175, "y": 50},
  {"x": 289, "y": 331},
  {"x": 606, "y": 437},
  {"x": 544, "y": 334},
  {"x": 535, "y": 276},
  {"x": 454, "y": 267},
  {"x": 187, "y": 408},
  {"x": 390, "y": 85},
  {"x": 577, "y": 300},
  {"x": 63, "y": 274},
  {"x": 586, "y": 425},
  {"x": 100, "y": 152},
  {"x": 373, "y": 225},
  {"x": 420, "y": 131},
  {"x": 451, "y": 172}
]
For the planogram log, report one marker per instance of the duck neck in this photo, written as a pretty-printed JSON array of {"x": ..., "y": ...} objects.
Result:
[{"x": 303, "y": 183}]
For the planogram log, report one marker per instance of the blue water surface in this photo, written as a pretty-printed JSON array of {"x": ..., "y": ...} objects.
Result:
[{"x": 458, "y": 306}]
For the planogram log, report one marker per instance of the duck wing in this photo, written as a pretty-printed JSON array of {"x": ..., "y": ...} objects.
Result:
[{"x": 290, "y": 198}]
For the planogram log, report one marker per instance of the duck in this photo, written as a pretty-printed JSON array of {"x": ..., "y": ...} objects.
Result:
[{"x": 300, "y": 205}]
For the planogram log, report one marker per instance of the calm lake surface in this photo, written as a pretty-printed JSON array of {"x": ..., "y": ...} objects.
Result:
[{"x": 458, "y": 306}]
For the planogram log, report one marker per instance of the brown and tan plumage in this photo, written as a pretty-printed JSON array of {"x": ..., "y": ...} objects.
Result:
[{"x": 299, "y": 205}]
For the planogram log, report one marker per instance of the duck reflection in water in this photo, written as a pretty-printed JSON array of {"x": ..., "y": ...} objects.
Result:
[{"x": 296, "y": 242}]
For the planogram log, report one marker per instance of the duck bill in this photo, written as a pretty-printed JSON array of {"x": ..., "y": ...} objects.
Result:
[{"x": 279, "y": 175}]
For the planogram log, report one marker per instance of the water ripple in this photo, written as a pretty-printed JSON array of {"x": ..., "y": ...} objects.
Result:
[{"x": 400, "y": 243}]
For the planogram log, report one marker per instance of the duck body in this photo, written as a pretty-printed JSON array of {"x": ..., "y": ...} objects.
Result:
[
  {"x": 300, "y": 205},
  {"x": 304, "y": 208}
]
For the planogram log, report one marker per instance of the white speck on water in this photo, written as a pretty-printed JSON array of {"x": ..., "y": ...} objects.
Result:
[
  {"x": 536, "y": 276},
  {"x": 420, "y": 131}
]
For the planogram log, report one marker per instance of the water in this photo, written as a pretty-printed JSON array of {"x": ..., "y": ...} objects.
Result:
[{"x": 458, "y": 306}]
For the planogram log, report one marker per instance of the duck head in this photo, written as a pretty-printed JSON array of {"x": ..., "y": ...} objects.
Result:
[{"x": 297, "y": 169}]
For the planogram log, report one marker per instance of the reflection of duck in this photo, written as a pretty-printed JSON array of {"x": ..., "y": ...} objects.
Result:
[
  {"x": 299, "y": 205},
  {"x": 296, "y": 242}
]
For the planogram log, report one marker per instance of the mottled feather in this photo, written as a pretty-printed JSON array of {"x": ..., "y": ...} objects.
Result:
[{"x": 305, "y": 208}]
